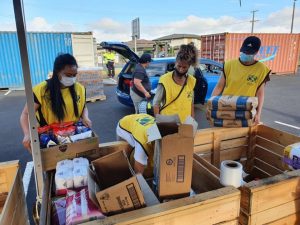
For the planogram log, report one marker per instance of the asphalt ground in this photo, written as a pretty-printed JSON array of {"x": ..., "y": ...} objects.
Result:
[{"x": 282, "y": 104}]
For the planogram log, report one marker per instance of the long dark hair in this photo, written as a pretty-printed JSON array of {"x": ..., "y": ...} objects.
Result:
[
  {"x": 188, "y": 53},
  {"x": 53, "y": 86}
]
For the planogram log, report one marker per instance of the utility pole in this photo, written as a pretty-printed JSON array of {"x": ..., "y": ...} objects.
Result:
[
  {"x": 293, "y": 16},
  {"x": 253, "y": 21}
]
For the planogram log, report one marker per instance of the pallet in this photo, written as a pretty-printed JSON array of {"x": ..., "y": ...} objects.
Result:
[
  {"x": 98, "y": 98},
  {"x": 214, "y": 204},
  {"x": 275, "y": 197},
  {"x": 13, "y": 205}
]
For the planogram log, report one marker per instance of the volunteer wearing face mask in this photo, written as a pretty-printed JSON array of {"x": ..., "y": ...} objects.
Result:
[
  {"x": 245, "y": 76},
  {"x": 175, "y": 91},
  {"x": 59, "y": 99}
]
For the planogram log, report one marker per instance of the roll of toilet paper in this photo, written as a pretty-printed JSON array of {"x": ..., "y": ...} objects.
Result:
[
  {"x": 80, "y": 176},
  {"x": 231, "y": 173},
  {"x": 64, "y": 179},
  {"x": 80, "y": 162},
  {"x": 66, "y": 164}
]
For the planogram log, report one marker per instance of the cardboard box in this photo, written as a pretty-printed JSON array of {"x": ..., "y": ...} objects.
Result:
[
  {"x": 173, "y": 156},
  {"x": 50, "y": 156},
  {"x": 117, "y": 188}
]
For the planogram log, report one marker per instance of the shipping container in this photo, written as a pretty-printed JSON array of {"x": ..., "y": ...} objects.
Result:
[
  {"x": 280, "y": 52},
  {"x": 42, "y": 47}
]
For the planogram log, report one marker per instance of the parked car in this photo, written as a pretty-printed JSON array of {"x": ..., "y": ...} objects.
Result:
[{"x": 159, "y": 66}]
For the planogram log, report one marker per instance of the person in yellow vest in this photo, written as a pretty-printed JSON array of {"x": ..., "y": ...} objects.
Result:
[
  {"x": 175, "y": 90},
  {"x": 133, "y": 129},
  {"x": 109, "y": 61},
  {"x": 58, "y": 99},
  {"x": 245, "y": 76}
]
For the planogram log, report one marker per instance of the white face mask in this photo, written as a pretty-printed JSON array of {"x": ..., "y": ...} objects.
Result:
[{"x": 67, "y": 81}]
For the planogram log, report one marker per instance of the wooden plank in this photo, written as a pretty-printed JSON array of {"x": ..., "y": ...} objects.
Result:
[
  {"x": 208, "y": 165},
  {"x": 183, "y": 211},
  {"x": 271, "y": 146},
  {"x": 277, "y": 136},
  {"x": 232, "y": 222},
  {"x": 233, "y": 143},
  {"x": 269, "y": 157},
  {"x": 204, "y": 180},
  {"x": 216, "y": 149},
  {"x": 281, "y": 193},
  {"x": 205, "y": 136},
  {"x": 257, "y": 173},
  {"x": 228, "y": 154},
  {"x": 205, "y": 148},
  {"x": 275, "y": 213},
  {"x": 265, "y": 193},
  {"x": 250, "y": 150},
  {"x": 267, "y": 167},
  {"x": 288, "y": 220}
]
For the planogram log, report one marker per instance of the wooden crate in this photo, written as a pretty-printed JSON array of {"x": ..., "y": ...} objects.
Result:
[
  {"x": 13, "y": 209},
  {"x": 275, "y": 197},
  {"x": 214, "y": 204}
]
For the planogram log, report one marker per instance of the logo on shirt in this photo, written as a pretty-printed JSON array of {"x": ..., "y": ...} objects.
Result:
[
  {"x": 190, "y": 94},
  {"x": 252, "y": 79},
  {"x": 145, "y": 121}
]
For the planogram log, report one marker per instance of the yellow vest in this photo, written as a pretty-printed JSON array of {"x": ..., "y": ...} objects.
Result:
[
  {"x": 137, "y": 125},
  {"x": 43, "y": 98},
  {"x": 109, "y": 56},
  {"x": 183, "y": 104},
  {"x": 243, "y": 80}
]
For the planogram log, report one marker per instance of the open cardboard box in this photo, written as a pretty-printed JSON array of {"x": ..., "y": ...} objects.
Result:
[
  {"x": 116, "y": 188},
  {"x": 173, "y": 155},
  {"x": 50, "y": 156}
]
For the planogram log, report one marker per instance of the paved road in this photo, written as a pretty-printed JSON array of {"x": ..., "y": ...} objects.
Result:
[{"x": 282, "y": 104}]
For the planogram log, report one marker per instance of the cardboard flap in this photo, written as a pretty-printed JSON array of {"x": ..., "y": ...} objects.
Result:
[
  {"x": 153, "y": 133},
  {"x": 92, "y": 187},
  {"x": 112, "y": 169},
  {"x": 186, "y": 130},
  {"x": 149, "y": 196},
  {"x": 190, "y": 120},
  {"x": 167, "y": 119}
]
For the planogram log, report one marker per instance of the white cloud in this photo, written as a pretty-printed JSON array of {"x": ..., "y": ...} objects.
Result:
[{"x": 109, "y": 29}]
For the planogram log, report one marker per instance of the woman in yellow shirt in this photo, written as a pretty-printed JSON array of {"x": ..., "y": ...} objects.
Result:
[
  {"x": 58, "y": 99},
  {"x": 175, "y": 91}
]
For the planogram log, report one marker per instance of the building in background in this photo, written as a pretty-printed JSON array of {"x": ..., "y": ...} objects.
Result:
[
  {"x": 169, "y": 45},
  {"x": 43, "y": 47},
  {"x": 142, "y": 45},
  {"x": 280, "y": 52}
]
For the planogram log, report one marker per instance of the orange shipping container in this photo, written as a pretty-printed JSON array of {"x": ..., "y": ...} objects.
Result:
[{"x": 280, "y": 52}]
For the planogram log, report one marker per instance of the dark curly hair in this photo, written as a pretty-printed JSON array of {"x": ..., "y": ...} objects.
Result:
[{"x": 188, "y": 53}]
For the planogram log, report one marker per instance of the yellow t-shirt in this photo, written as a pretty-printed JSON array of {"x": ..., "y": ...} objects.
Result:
[
  {"x": 137, "y": 125},
  {"x": 43, "y": 99},
  {"x": 183, "y": 104},
  {"x": 242, "y": 80}
]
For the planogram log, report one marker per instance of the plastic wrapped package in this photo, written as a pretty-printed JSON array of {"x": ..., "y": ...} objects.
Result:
[
  {"x": 80, "y": 208},
  {"x": 58, "y": 211}
]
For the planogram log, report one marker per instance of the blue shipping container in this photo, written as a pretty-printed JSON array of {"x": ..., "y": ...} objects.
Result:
[{"x": 42, "y": 50}]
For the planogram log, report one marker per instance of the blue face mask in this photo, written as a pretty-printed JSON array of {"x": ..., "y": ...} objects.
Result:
[{"x": 246, "y": 58}]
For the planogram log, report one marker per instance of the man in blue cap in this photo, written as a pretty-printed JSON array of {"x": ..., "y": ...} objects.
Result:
[{"x": 245, "y": 76}]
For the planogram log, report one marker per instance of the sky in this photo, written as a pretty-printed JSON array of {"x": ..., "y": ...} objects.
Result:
[{"x": 111, "y": 20}]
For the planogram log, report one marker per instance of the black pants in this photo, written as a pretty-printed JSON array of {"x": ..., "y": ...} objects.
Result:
[{"x": 111, "y": 69}]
